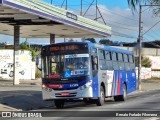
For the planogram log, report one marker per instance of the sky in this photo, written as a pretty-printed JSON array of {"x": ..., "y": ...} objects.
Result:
[{"x": 116, "y": 13}]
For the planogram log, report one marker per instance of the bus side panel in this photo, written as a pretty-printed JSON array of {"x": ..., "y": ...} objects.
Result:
[
  {"x": 95, "y": 86},
  {"x": 109, "y": 82},
  {"x": 123, "y": 76},
  {"x": 131, "y": 81},
  {"x": 119, "y": 78},
  {"x": 115, "y": 83}
]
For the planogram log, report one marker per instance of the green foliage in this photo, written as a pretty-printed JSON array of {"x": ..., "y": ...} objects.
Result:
[
  {"x": 133, "y": 3},
  {"x": 91, "y": 40},
  {"x": 24, "y": 46},
  {"x": 105, "y": 42},
  {"x": 145, "y": 61},
  {"x": 71, "y": 40},
  {"x": 38, "y": 74},
  {"x": 34, "y": 52},
  {"x": 156, "y": 10}
]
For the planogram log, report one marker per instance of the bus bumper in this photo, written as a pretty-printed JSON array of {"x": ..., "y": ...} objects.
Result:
[{"x": 49, "y": 94}]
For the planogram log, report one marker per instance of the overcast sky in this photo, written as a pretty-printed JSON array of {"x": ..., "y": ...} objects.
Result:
[{"x": 117, "y": 14}]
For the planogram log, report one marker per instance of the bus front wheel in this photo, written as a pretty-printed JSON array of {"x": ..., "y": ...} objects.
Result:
[
  {"x": 100, "y": 101},
  {"x": 123, "y": 96},
  {"x": 59, "y": 103}
]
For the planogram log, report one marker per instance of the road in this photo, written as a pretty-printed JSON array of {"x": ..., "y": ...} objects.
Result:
[{"x": 30, "y": 98}]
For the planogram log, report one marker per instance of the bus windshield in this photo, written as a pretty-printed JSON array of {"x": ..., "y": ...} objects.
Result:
[{"x": 65, "y": 66}]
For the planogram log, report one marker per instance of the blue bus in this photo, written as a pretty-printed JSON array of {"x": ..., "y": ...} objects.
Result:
[{"x": 88, "y": 71}]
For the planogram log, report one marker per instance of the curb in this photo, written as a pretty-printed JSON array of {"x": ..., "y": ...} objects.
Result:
[{"x": 8, "y": 108}]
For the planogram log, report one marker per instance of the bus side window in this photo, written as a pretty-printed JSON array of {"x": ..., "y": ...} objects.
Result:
[
  {"x": 115, "y": 61},
  {"x": 120, "y": 59},
  {"x": 94, "y": 63},
  {"x": 131, "y": 62},
  {"x": 126, "y": 62},
  {"x": 108, "y": 57},
  {"x": 93, "y": 51}
]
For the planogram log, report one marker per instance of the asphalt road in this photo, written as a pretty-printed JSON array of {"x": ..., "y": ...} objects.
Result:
[
  {"x": 30, "y": 99},
  {"x": 27, "y": 97}
]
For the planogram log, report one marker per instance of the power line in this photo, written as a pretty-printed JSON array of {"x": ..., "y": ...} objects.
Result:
[
  {"x": 151, "y": 27},
  {"x": 146, "y": 9},
  {"x": 118, "y": 14},
  {"x": 122, "y": 27},
  {"x": 104, "y": 13},
  {"x": 150, "y": 36},
  {"x": 122, "y": 34},
  {"x": 119, "y": 23},
  {"x": 74, "y": 5}
]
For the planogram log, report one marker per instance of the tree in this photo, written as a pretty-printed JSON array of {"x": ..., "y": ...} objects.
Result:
[
  {"x": 25, "y": 46},
  {"x": 71, "y": 40},
  {"x": 91, "y": 40},
  {"x": 156, "y": 10},
  {"x": 146, "y": 62},
  {"x": 105, "y": 42}
]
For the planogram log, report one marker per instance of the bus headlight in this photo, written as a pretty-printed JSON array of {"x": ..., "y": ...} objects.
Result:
[
  {"x": 88, "y": 84},
  {"x": 44, "y": 87}
]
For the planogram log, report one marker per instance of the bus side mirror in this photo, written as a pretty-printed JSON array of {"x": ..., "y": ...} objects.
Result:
[
  {"x": 38, "y": 63},
  {"x": 94, "y": 62}
]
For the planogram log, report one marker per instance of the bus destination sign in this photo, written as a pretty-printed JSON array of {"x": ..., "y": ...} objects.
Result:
[{"x": 66, "y": 47}]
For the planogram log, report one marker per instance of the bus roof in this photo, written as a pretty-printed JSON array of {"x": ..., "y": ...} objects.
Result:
[{"x": 90, "y": 44}]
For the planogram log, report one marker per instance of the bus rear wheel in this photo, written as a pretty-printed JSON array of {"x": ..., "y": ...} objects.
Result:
[
  {"x": 100, "y": 101},
  {"x": 59, "y": 103},
  {"x": 123, "y": 96}
]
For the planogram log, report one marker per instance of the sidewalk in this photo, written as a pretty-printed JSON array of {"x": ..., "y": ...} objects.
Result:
[
  {"x": 150, "y": 85},
  {"x": 23, "y": 83},
  {"x": 7, "y": 108}
]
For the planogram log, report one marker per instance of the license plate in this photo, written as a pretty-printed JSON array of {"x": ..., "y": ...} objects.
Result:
[{"x": 65, "y": 93}]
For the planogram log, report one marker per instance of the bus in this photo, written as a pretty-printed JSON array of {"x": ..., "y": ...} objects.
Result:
[{"x": 86, "y": 71}]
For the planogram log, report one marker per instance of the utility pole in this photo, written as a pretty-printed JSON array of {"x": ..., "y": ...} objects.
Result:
[
  {"x": 66, "y": 5},
  {"x": 140, "y": 46},
  {"x": 96, "y": 11},
  {"x": 140, "y": 37},
  {"x": 81, "y": 8}
]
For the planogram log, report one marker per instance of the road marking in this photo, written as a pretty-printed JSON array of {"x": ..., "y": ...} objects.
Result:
[{"x": 153, "y": 118}]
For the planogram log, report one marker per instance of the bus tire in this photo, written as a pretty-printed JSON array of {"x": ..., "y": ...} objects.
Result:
[
  {"x": 59, "y": 103},
  {"x": 100, "y": 101},
  {"x": 123, "y": 96}
]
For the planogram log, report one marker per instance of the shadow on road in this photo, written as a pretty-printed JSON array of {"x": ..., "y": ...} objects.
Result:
[{"x": 24, "y": 100}]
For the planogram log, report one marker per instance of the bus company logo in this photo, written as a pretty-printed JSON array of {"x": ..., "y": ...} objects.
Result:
[{"x": 6, "y": 114}]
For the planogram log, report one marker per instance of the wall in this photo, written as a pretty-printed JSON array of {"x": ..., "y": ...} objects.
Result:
[
  {"x": 145, "y": 73},
  {"x": 26, "y": 66}
]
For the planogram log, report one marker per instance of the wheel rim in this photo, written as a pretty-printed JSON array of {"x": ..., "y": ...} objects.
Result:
[
  {"x": 102, "y": 96},
  {"x": 124, "y": 92}
]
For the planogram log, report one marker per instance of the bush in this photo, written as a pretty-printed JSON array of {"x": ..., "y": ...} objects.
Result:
[
  {"x": 145, "y": 61},
  {"x": 38, "y": 74}
]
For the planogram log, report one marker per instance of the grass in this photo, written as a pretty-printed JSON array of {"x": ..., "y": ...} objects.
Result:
[{"x": 153, "y": 78}]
